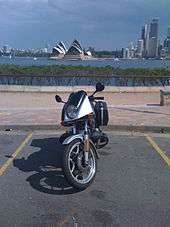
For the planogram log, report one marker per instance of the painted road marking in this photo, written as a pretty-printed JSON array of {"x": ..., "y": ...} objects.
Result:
[
  {"x": 14, "y": 155},
  {"x": 158, "y": 149}
]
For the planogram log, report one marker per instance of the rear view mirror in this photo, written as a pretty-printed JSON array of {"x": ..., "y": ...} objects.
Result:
[
  {"x": 58, "y": 98},
  {"x": 99, "y": 87}
]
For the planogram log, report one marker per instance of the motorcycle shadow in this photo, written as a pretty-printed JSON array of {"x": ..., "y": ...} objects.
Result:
[{"x": 46, "y": 162}]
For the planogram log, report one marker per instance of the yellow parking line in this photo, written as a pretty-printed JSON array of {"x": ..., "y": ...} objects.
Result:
[
  {"x": 158, "y": 149},
  {"x": 14, "y": 155}
]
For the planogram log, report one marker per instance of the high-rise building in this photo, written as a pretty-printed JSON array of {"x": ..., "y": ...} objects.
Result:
[
  {"x": 140, "y": 48},
  {"x": 143, "y": 33},
  {"x": 167, "y": 44},
  {"x": 131, "y": 48},
  {"x": 152, "y": 51},
  {"x": 168, "y": 35},
  {"x": 160, "y": 50},
  {"x": 125, "y": 53},
  {"x": 145, "y": 38}
]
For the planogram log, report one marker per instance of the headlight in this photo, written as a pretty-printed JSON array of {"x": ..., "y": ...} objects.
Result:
[{"x": 71, "y": 111}]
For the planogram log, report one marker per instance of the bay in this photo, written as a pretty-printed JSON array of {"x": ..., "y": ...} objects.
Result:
[{"x": 122, "y": 63}]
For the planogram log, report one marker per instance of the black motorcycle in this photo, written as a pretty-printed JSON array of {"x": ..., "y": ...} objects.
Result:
[{"x": 84, "y": 115}]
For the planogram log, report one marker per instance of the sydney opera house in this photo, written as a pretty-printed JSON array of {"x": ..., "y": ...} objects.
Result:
[
  {"x": 59, "y": 50},
  {"x": 75, "y": 51}
]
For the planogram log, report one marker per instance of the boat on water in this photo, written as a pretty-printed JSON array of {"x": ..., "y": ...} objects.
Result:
[{"x": 35, "y": 59}]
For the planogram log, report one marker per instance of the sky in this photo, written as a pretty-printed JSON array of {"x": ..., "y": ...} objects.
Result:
[{"x": 102, "y": 24}]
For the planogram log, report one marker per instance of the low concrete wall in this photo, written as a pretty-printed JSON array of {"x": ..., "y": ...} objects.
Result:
[{"x": 68, "y": 89}]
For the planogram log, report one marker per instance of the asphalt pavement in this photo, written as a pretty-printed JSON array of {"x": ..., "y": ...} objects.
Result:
[{"x": 132, "y": 187}]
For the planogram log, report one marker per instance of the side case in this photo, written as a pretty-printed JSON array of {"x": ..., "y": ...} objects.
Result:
[{"x": 101, "y": 111}]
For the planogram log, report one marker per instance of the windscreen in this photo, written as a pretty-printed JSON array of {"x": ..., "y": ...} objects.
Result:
[{"x": 75, "y": 97}]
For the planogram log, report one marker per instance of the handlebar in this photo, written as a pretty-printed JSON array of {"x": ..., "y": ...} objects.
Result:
[
  {"x": 92, "y": 98},
  {"x": 98, "y": 98}
]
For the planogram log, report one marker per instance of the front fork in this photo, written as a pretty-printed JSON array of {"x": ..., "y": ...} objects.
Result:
[{"x": 86, "y": 144}]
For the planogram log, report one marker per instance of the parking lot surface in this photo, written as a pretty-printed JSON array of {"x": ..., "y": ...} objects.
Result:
[{"x": 132, "y": 187}]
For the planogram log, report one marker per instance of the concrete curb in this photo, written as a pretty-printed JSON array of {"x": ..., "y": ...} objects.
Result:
[
  {"x": 69, "y": 89},
  {"x": 135, "y": 128}
]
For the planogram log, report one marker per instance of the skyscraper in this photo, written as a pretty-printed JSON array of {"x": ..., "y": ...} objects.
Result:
[
  {"x": 131, "y": 50},
  {"x": 167, "y": 44},
  {"x": 168, "y": 35},
  {"x": 145, "y": 38},
  {"x": 153, "y": 39},
  {"x": 140, "y": 48}
]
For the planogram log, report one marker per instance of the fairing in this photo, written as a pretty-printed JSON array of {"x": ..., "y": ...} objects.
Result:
[{"x": 81, "y": 101}]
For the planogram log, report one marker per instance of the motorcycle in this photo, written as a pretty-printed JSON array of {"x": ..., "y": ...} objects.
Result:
[{"x": 83, "y": 115}]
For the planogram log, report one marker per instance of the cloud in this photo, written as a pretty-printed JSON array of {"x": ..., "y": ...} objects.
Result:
[{"x": 106, "y": 24}]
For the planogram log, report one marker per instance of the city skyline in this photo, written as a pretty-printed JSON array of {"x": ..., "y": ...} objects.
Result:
[
  {"x": 30, "y": 24},
  {"x": 141, "y": 36},
  {"x": 149, "y": 44}
]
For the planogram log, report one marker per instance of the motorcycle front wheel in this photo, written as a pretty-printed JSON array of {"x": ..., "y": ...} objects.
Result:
[{"x": 80, "y": 176}]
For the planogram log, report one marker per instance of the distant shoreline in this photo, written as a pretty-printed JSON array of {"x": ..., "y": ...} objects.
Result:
[
  {"x": 88, "y": 59},
  {"x": 101, "y": 62},
  {"x": 81, "y": 71}
]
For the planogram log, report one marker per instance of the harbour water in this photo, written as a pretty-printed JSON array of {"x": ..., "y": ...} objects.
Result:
[{"x": 122, "y": 63}]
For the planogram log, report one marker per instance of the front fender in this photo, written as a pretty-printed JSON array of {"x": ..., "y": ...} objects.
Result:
[{"x": 69, "y": 139}]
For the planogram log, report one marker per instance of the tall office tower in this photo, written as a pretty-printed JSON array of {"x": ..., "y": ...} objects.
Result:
[
  {"x": 131, "y": 46},
  {"x": 168, "y": 35},
  {"x": 167, "y": 44},
  {"x": 160, "y": 50},
  {"x": 153, "y": 39},
  {"x": 140, "y": 48},
  {"x": 143, "y": 32},
  {"x": 131, "y": 50},
  {"x": 145, "y": 38}
]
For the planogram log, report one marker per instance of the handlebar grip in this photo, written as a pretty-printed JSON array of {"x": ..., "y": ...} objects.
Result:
[{"x": 99, "y": 98}]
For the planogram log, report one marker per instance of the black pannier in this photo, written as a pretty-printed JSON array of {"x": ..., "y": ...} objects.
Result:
[{"x": 101, "y": 111}]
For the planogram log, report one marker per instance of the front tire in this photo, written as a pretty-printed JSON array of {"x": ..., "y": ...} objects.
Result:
[{"x": 78, "y": 176}]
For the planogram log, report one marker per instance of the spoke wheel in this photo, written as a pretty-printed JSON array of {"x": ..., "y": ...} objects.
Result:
[{"x": 77, "y": 173}]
